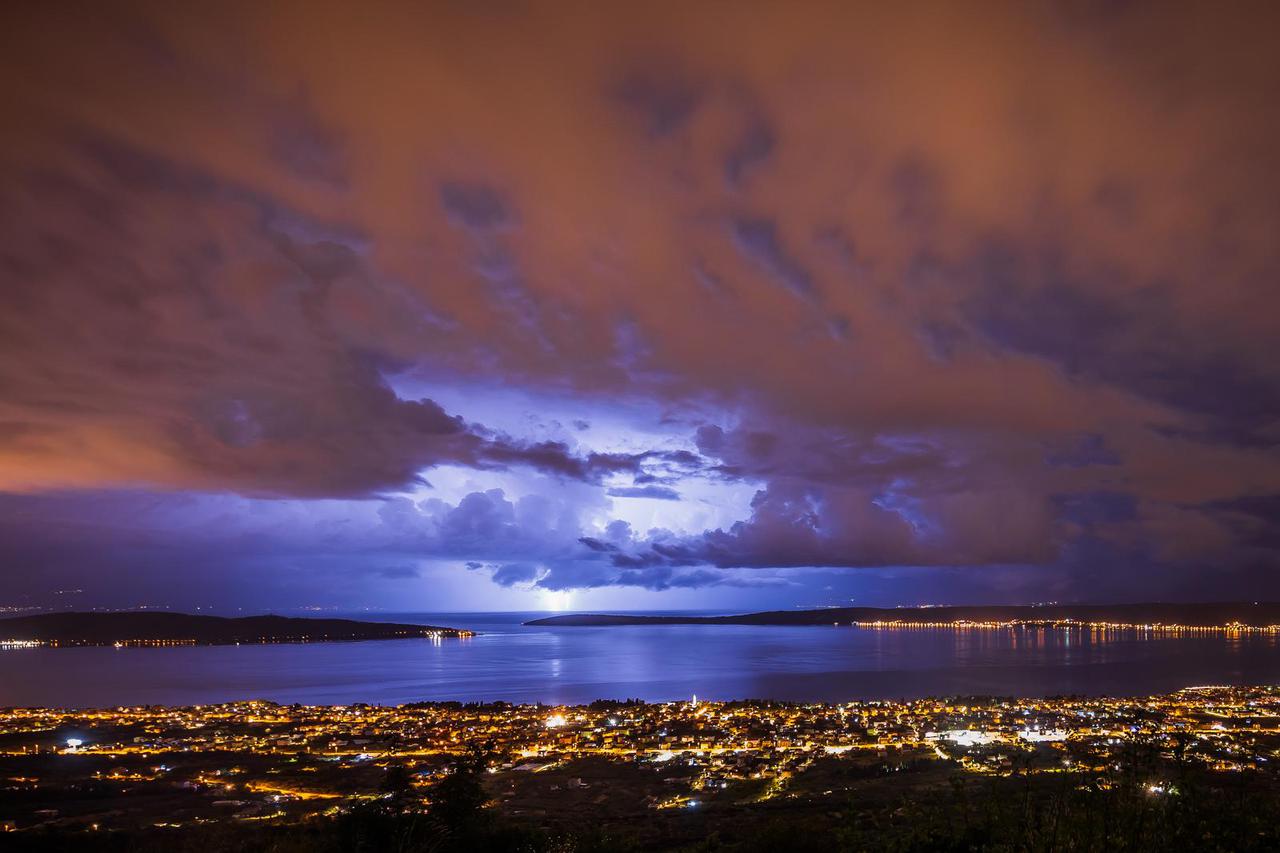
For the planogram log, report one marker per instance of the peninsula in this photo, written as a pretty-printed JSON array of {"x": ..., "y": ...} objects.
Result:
[
  {"x": 134, "y": 628},
  {"x": 1216, "y": 616}
]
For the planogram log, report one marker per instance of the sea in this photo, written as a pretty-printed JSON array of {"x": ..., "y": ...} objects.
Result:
[{"x": 513, "y": 662}]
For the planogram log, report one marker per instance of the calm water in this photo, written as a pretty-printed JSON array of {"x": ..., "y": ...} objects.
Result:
[{"x": 553, "y": 665}]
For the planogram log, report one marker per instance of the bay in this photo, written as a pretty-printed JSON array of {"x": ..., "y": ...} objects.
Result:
[{"x": 516, "y": 663}]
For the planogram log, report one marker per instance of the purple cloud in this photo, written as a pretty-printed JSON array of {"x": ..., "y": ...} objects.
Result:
[{"x": 1029, "y": 347}]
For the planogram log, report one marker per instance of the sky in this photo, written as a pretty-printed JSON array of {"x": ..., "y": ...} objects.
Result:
[{"x": 509, "y": 305}]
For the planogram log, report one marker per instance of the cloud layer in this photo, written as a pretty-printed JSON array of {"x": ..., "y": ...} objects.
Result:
[{"x": 942, "y": 292}]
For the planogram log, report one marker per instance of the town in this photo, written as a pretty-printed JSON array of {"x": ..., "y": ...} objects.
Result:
[{"x": 141, "y": 767}]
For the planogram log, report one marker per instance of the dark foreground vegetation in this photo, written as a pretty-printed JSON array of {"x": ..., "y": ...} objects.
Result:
[{"x": 1113, "y": 811}]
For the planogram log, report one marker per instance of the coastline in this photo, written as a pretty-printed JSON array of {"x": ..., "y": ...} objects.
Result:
[{"x": 137, "y": 629}]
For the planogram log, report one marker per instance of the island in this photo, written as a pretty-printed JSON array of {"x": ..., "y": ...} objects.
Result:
[
  {"x": 149, "y": 628},
  {"x": 1241, "y": 616}
]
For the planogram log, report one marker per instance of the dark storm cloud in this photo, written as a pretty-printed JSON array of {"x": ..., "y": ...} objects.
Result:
[
  {"x": 556, "y": 457},
  {"x": 1096, "y": 508},
  {"x": 211, "y": 370},
  {"x": 750, "y": 150},
  {"x": 300, "y": 143},
  {"x": 474, "y": 206},
  {"x": 798, "y": 525},
  {"x": 1254, "y": 518},
  {"x": 1035, "y": 258},
  {"x": 1089, "y": 449},
  {"x": 514, "y": 573},
  {"x": 663, "y": 101},
  {"x": 161, "y": 541},
  {"x": 1027, "y": 301},
  {"x": 662, "y": 493},
  {"x": 917, "y": 192},
  {"x": 758, "y": 239}
]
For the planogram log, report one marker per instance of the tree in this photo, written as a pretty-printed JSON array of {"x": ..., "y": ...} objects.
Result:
[
  {"x": 458, "y": 800},
  {"x": 398, "y": 785}
]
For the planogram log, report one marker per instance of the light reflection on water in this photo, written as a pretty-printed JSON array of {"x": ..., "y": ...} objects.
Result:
[{"x": 525, "y": 664}]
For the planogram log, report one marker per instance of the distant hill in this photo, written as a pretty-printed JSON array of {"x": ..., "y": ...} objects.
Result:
[
  {"x": 1200, "y": 615},
  {"x": 155, "y": 628}
]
